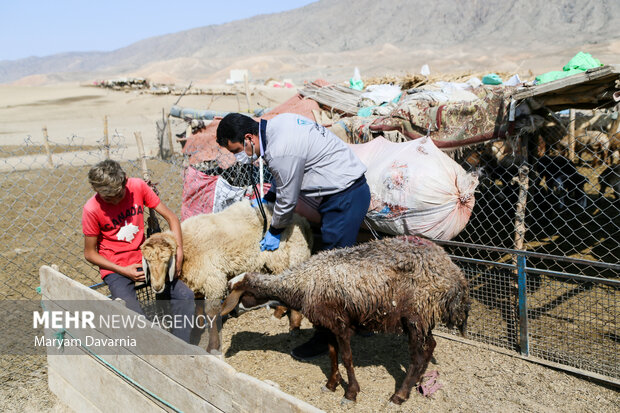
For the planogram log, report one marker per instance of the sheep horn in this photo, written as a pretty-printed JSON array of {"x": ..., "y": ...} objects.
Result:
[
  {"x": 231, "y": 301},
  {"x": 145, "y": 268},
  {"x": 172, "y": 268}
]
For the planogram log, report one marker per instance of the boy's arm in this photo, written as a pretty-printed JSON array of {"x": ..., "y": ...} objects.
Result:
[
  {"x": 175, "y": 227},
  {"x": 92, "y": 255}
]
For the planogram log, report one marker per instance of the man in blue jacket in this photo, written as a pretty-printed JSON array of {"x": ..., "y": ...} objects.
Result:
[{"x": 305, "y": 159}]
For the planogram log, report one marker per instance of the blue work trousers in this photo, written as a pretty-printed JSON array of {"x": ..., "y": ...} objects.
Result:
[{"x": 342, "y": 215}]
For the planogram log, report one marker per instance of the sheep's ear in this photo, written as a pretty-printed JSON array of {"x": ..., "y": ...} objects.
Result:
[
  {"x": 231, "y": 301},
  {"x": 145, "y": 268},
  {"x": 172, "y": 268}
]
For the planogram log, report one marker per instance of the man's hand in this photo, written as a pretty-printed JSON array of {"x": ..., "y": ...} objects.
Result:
[
  {"x": 134, "y": 272},
  {"x": 270, "y": 242}
]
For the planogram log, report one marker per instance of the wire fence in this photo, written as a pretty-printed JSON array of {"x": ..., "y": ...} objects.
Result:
[
  {"x": 563, "y": 218},
  {"x": 569, "y": 225}
]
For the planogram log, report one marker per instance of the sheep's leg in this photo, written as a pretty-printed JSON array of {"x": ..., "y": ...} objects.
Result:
[
  {"x": 213, "y": 309},
  {"x": 344, "y": 344},
  {"x": 294, "y": 320},
  {"x": 279, "y": 311},
  {"x": 421, "y": 348},
  {"x": 198, "y": 329},
  {"x": 334, "y": 377}
]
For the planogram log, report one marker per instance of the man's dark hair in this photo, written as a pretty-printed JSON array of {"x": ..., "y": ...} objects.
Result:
[{"x": 233, "y": 128}]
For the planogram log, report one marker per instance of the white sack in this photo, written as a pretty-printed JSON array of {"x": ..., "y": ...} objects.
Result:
[{"x": 416, "y": 189}]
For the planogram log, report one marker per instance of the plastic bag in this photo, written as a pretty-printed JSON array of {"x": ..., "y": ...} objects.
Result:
[
  {"x": 491, "y": 79},
  {"x": 356, "y": 81},
  {"x": 416, "y": 189}
]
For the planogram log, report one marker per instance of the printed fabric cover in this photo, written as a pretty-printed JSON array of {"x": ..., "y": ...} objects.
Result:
[
  {"x": 452, "y": 124},
  {"x": 204, "y": 193}
]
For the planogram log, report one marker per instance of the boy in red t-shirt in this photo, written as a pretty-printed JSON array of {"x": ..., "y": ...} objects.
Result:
[{"x": 113, "y": 227}]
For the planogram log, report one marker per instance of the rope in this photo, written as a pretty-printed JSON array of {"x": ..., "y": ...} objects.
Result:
[
  {"x": 371, "y": 229},
  {"x": 59, "y": 334}
]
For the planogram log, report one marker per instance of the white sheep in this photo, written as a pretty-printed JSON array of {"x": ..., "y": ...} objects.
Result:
[{"x": 219, "y": 246}]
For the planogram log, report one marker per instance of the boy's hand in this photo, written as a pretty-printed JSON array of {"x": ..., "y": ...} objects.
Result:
[{"x": 134, "y": 272}]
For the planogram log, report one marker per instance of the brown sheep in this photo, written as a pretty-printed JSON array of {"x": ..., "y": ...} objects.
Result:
[{"x": 392, "y": 285}]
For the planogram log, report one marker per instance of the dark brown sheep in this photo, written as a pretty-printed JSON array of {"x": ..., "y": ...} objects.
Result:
[{"x": 392, "y": 285}]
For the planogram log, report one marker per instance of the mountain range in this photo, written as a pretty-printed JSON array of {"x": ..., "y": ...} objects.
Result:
[{"x": 329, "y": 38}]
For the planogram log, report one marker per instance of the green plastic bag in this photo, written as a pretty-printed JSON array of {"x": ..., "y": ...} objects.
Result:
[
  {"x": 578, "y": 64},
  {"x": 582, "y": 61},
  {"x": 555, "y": 75},
  {"x": 356, "y": 84}
]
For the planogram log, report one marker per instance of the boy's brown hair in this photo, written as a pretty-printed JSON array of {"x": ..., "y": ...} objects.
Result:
[{"x": 107, "y": 178}]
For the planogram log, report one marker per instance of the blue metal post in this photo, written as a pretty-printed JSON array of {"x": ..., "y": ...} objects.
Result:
[{"x": 524, "y": 342}]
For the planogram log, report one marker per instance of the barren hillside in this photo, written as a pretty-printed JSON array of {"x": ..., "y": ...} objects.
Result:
[{"x": 329, "y": 37}]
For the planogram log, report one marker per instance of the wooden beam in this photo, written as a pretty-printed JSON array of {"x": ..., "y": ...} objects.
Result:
[{"x": 611, "y": 72}]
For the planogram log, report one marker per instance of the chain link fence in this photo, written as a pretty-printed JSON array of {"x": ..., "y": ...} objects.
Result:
[
  {"x": 567, "y": 231},
  {"x": 551, "y": 196}
]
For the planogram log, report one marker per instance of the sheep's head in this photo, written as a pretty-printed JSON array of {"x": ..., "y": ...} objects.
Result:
[
  {"x": 158, "y": 259},
  {"x": 243, "y": 297}
]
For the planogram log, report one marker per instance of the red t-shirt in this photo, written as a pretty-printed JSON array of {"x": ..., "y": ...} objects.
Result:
[{"x": 119, "y": 228}]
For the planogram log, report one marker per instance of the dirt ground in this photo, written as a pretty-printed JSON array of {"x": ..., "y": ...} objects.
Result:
[{"x": 474, "y": 379}]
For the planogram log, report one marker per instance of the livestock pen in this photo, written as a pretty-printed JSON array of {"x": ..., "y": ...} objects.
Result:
[{"x": 543, "y": 272}]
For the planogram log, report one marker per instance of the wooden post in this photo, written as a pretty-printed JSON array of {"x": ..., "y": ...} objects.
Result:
[
  {"x": 247, "y": 92},
  {"x": 614, "y": 130},
  {"x": 106, "y": 140},
  {"x": 170, "y": 136},
  {"x": 145, "y": 170},
  {"x": 47, "y": 147},
  {"x": 152, "y": 221},
  {"x": 238, "y": 102},
  {"x": 571, "y": 136},
  {"x": 188, "y": 130}
]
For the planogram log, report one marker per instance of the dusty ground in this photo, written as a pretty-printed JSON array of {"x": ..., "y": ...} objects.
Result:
[
  {"x": 72, "y": 111},
  {"x": 474, "y": 379}
]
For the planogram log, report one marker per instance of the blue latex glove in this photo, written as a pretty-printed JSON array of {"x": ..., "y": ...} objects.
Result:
[
  {"x": 254, "y": 202},
  {"x": 270, "y": 242}
]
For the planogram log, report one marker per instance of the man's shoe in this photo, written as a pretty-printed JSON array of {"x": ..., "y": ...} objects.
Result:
[{"x": 315, "y": 347}]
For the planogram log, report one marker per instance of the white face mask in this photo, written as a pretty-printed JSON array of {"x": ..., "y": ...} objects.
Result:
[{"x": 243, "y": 158}]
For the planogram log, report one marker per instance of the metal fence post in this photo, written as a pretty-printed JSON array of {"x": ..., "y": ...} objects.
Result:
[{"x": 524, "y": 344}]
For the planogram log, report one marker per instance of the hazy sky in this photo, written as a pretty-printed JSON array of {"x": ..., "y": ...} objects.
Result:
[{"x": 45, "y": 27}]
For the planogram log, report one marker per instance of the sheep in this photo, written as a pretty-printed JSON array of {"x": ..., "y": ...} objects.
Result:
[
  {"x": 610, "y": 177},
  {"x": 563, "y": 179},
  {"x": 219, "y": 246},
  {"x": 398, "y": 285}
]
